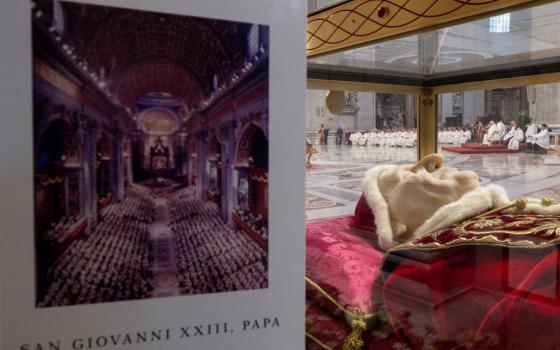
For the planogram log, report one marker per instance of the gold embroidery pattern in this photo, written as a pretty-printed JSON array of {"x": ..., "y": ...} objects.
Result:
[{"x": 512, "y": 231}]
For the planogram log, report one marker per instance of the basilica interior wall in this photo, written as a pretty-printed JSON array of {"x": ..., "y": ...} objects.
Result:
[
  {"x": 366, "y": 112},
  {"x": 473, "y": 106},
  {"x": 544, "y": 103},
  {"x": 470, "y": 104},
  {"x": 317, "y": 113}
]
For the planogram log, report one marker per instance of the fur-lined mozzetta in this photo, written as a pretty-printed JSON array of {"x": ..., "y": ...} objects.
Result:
[
  {"x": 468, "y": 206},
  {"x": 379, "y": 206}
]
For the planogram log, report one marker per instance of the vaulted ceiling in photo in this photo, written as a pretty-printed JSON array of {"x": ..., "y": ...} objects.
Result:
[{"x": 138, "y": 52}]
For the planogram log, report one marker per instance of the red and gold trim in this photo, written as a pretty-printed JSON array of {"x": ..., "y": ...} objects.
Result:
[{"x": 509, "y": 231}]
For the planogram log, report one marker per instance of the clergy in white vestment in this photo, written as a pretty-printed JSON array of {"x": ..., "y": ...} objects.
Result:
[
  {"x": 502, "y": 129},
  {"x": 542, "y": 138},
  {"x": 468, "y": 135},
  {"x": 492, "y": 135},
  {"x": 514, "y": 136},
  {"x": 532, "y": 130}
]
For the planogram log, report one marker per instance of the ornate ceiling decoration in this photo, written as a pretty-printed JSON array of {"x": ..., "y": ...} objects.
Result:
[
  {"x": 158, "y": 121},
  {"x": 132, "y": 53}
]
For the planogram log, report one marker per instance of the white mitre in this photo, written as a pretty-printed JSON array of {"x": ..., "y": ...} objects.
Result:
[{"x": 410, "y": 201}]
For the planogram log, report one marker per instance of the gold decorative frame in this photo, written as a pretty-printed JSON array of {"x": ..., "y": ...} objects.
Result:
[{"x": 360, "y": 22}]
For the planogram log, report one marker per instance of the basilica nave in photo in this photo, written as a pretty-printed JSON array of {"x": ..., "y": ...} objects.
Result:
[{"x": 151, "y": 154}]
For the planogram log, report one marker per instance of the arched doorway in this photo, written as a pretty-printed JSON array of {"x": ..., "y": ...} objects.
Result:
[
  {"x": 50, "y": 158},
  {"x": 252, "y": 166},
  {"x": 58, "y": 209},
  {"x": 192, "y": 171}
]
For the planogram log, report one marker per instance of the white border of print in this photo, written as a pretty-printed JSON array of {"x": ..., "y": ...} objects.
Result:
[{"x": 22, "y": 323}]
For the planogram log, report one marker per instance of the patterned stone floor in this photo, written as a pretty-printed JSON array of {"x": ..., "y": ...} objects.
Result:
[{"x": 333, "y": 182}]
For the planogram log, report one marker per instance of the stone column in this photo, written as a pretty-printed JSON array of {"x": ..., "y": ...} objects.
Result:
[
  {"x": 427, "y": 106},
  {"x": 410, "y": 111},
  {"x": 227, "y": 141},
  {"x": 90, "y": 171},
  {"x": 202, "y": 158},
  {"x": 117, "y": 176}
]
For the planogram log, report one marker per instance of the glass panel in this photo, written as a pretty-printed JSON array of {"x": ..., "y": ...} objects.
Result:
[
  {"x": 396, "y": 56},
  {"x": 316, "y": 5},
  {"x": 477, "y": 131},
  {"x": 525, "y": 37},
  {"x": 365, "y": 129}
]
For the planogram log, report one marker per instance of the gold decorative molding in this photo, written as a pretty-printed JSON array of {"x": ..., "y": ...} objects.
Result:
[
  {"x": 427, "y": 97},
  {"x": 362, "y": 22},
  {"x": 56, "y": 79},
  {"x": 427, "y": 123}
]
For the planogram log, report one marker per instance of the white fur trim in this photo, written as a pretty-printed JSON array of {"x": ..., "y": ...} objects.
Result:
[
  {"x": 379, "y": 206},
  {"x": 468, "y": 206}
]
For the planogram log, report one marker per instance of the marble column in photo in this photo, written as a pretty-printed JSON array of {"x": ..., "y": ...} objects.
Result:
[
  {"x": 202, "y": 147},
  {"x": 90, "y": 171},
  {"x": 117, "y": 173},
  {"x": 227, "y": 141}
]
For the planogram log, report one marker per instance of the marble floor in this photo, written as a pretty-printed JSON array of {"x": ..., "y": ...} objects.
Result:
[{"x": 333, "y": 182}]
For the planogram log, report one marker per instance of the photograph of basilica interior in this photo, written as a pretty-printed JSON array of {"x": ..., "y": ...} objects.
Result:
[
  {"x": 151, "y": 154},
  {"x": 432, "y": 174}
]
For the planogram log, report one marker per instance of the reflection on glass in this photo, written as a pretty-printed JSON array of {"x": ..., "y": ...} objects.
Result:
[
  {"x": 371, "y": 128},
  {"x": 500, "y": 24},
  {"x": 510, "y": 40},
  {"x": 399, "y": 55},
  {"x": 315, "y": 5},
  {"x": 508, "y": 136}
]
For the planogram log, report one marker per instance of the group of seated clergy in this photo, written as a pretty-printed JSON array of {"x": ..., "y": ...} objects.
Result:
[
  {"x": 454, "y": 136},
  {"x": 109, "y": 264},
  {"x": 395, "y": 137},
  {"x": 212, "y": 256},
  {"x": 537, "y": 138}
]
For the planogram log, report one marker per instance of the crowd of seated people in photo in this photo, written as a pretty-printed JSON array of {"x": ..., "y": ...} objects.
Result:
[
  {"x": 213, "y": 257},
  {"x": 396, "y": 137},
  {"x": 256, "y": 222},
  {"x": 109, "y": 264},
  {"x": 58, "y": 232}
]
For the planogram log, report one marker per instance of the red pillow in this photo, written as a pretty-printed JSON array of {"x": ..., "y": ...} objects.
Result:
[{"x": 342, "y": 263}]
